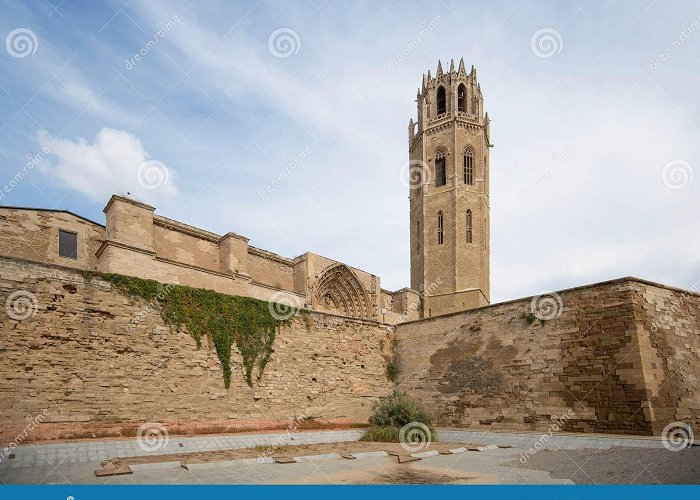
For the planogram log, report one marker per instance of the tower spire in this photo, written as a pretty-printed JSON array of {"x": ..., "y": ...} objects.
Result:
[
  {"x": 461, "y": 69},
  {"x": 439, "y": 69}
]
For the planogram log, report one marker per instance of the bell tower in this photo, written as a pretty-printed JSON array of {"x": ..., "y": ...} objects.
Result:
[{"x": 449, "y": 192}]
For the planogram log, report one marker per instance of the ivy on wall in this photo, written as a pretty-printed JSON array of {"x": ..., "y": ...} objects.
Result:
[{"x": 222, "y": 319}]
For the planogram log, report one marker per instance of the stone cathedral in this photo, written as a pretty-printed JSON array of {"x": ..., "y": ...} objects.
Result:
[{"x": 621, "y": 356}]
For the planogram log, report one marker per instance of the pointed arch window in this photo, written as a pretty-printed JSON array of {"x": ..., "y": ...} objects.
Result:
[
  {"x": 462, "y": 98},
  {"x": 469, "y": 167},
  {"x": 469, "y": 226},
  {"x": 440, "y": 231},
  {"x": 440, "y": 167},
  {"x": 441, "y": 101}
]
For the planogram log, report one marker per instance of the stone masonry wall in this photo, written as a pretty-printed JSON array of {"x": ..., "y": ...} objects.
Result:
[
  {"x": 602, "y": 357},
  {"x": 101, "y": 363}
]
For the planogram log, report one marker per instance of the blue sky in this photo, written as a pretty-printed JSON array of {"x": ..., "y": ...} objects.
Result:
[{"x": 593, "y": 173}]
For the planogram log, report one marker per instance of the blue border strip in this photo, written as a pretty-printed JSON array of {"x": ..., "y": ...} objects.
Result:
[{"x": 351, "y": 492}]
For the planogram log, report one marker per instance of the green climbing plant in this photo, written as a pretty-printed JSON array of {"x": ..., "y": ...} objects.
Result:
[{"x": 223, "y": 319}]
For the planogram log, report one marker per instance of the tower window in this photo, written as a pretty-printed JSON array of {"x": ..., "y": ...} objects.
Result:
[
  {"x": 469, "y": 167},
  {"x": 441, "y": 168},
  {"x": 418, "y": 236},
  {"x": 462, "y": 98},
  {"x": 441, "y": 239},
  {"x": 67, "y": 244},
  {"x": 441, "y": 101},
  {"x": 469, "y": 226}
]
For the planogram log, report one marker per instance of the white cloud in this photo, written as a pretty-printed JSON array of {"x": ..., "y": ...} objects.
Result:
[{"x": 115, "y": 162}]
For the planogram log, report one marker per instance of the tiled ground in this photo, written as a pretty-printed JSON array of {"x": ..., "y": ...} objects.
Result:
[{"x": 76, "y": 462}]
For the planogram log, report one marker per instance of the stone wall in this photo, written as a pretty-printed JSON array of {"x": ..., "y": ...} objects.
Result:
[
  {"x": 102, "y": 363},
  {"x": 624, "y": 356}
]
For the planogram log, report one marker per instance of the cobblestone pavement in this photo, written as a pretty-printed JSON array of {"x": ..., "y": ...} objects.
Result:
[{"x": 76, "y": 462}]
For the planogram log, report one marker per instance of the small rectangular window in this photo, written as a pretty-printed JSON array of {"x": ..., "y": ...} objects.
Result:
[{"x": 67, "y": 244}]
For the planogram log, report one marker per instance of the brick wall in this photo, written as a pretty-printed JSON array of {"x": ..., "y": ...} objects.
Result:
[
  {"x": 608, "y": 356},
  {"x": 76, "y": 358}
]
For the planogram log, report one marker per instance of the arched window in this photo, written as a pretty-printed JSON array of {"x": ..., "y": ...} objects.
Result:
[
  {"x": 469, "y": 167},
  {"x": 440, "y": 231},
  {"x": 462, "y": 98},
  {"x": 469, "y": 226},
  {"x": 440, "y": 168},
  {"x": 441, "y": 101},
  {"x": 418, "y": 236}
]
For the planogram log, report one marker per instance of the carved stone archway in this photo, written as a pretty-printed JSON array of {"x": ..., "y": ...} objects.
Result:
[{"x": 339, "y": 291}]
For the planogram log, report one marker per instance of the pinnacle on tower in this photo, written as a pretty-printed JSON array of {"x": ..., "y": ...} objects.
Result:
[
  {"x": 439, "y": 69},
  {"x": 461, "y": 66},
  {"x": 452, "y": 65}
]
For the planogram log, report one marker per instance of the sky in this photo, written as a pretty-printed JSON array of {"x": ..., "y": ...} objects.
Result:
[{"x": 287, "y": 122}]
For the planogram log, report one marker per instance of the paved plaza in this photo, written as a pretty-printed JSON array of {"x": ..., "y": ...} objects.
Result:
[{"x": 563, "y": 459}]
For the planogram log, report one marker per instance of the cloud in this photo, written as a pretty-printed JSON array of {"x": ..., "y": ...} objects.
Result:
[{"x": 115, "y": 162}]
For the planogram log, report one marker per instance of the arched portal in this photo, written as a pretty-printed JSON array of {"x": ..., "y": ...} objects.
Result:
[{"x": 339, "y": 291}]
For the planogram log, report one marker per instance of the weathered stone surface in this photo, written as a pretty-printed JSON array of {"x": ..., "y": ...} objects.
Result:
[
  {"x": 623, "y": 356},
  {"x": 102, "y": 374}
]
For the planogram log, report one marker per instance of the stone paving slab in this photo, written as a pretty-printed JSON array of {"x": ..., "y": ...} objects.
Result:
[
  {"x": 155, "y": 466},
  {"x": 556, "y": 441},
  {"x": 317, "y": 458}
]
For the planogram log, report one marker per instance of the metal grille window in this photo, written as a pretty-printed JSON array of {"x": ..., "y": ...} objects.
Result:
[
  {"x": 469, "y": 167},
  {"x": 440, "y": 229}
]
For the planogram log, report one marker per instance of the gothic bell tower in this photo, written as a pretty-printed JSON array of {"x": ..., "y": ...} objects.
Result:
[{"x": 449, "y": 192}]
